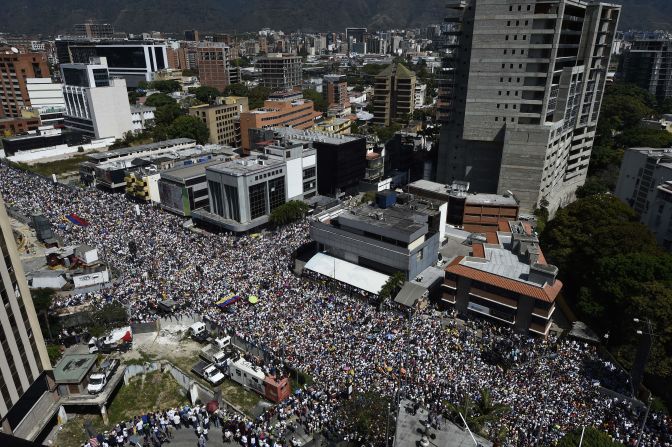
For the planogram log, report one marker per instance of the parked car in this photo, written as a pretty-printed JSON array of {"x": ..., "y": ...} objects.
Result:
[
  {"x": 208, "y": 371},
  {"x": 99, "y": 379}
]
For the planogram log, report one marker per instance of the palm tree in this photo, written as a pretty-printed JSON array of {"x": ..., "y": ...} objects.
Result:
[{"x": 479, "y": 415}]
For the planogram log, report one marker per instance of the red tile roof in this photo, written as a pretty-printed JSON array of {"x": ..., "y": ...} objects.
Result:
[
  {"x": 492, "y": 237},
  {"x": 547, "y": 293}
]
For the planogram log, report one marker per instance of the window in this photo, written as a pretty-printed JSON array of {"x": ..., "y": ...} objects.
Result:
[{"x": 257, "y": 196}]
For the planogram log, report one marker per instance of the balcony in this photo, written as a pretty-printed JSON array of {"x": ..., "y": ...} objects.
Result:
[
  {"x": 540, "y": 329},
  {"x": 543, "y": 313},
  {"x": 448, "y": 298},
  {"x": 494, "y": 298},
  {"x": 449, "y": 284}
]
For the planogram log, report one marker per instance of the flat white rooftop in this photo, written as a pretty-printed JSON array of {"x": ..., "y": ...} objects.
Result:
[{"x": 347, "y": 272}]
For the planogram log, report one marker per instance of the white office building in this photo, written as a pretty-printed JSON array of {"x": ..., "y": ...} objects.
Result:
[
  {"x": 142, "y": 116},
  {"x": 244, "y": 192},
  {"x": 96, "y": 105},
  {"x": 46, "y": 97}
]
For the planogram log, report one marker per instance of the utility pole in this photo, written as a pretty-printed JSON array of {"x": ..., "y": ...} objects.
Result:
[
  {"x": 646, "y": 416},
  {"x": 387, "y": 425},
  {"x": 583, "y": 430}
]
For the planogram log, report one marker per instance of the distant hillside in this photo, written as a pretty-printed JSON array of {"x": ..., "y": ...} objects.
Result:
[{"x": 58, "y": 16}]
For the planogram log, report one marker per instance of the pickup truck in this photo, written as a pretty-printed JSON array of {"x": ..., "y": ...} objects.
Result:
[
  {"x": 215, "y": 355},
  {"x": 209, "y": 371},
  {"x": 99, "y": 379}
]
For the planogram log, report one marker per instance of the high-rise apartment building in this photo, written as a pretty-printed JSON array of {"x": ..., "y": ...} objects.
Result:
[
  {"x": 222, "y": 119},
  {"x": 280, "y": 71},
  {"x": 94, "y": 30},
  {"x": 15, "y": 69},
  {"x": 192, "y": 35},
  {"x": 23, "y": 354},
  {"x": 648, "y": 64},
  {"x": 335, "y": 92},
  {"x": 354, "y": 35},
  {"x": 213, "y": 62},
  {"x": 95, "y": 104},
  {"x": 521, "y": 97},
  {"x": 394, "y": 95}
]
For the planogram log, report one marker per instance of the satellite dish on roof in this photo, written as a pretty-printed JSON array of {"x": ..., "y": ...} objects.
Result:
[{"x": 14, "y": 50}]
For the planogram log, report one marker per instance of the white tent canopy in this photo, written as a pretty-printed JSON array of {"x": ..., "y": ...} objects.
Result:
[{"x": 347, "y": 272}]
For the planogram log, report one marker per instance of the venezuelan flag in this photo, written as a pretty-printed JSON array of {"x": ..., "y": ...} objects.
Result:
[{"x": 75, "y": 219}]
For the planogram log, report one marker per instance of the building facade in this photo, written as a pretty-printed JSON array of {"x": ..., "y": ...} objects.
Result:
[
  {"x": 643, "y": 185},
  {"x": 341, "y": 159},
  {"x": 223, "y": 119},
  {"x": 476, "y": 213},
  {"x": 15, "y": 69},
  {"x": 213, "y": 61},
  {"x": 648, "y": 64},
  {"x": 507, "y": 281},
  {"x": 46, "y": 98},
  {"x": 243, "y": 193},
  {"x": 142, "y": 117},
  {"x": 399, "y": 238},
  {"x": 521, "y": 96},
  {"x": 659, "y": 219},
  {"x": 394, "y": 95},
  {"x": 95, "y": 104},
  {"x": 280, "y": 71},
  {"x": 94, "y": 30},
  {"x": 133, "y": 60},
  {"x": 23, "y": 355},
  {"x": 335, "y": 92},
  {"x": 281, "y": 110}
]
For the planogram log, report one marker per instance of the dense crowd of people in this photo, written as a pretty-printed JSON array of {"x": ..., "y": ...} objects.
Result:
[{"x": 339, "y": 340}]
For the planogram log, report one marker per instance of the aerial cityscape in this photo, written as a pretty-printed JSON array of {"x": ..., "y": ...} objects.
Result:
[{"x": 346, "y": 224}]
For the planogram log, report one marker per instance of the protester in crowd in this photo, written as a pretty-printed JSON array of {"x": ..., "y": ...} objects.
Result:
[{"x": 338, "y": 339}]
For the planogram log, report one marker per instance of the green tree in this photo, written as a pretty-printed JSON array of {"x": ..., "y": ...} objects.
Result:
[
  {"x": 593, "y": 186},
  {"x": 187, "y": 126},
  {"x": 642, "y": 137},
  {"x": 166, "y": 86},
  {"x": 205, "y": 93},
  {"x": 592, "y": 437},
  {"x": 369, "y": 416},
  {"x": 392, "y": 286},
  {"x": 158, "y": 100},
  {"x": 42, "y": 300},
  {"x": 480, "y": 415},
  {"x": 288, "y": 212},
  {"x": 257, "y": 96},
  {"x": 588, "y": 230},
  {"x": 133, "y": 97},
  {"x": 54, "y": 352},
  {"x": 317, "y": 98},
  {"x": 237, "y": 90},
  {"x": 166, "y": 114},
  {"x": 385, "y": 133}
]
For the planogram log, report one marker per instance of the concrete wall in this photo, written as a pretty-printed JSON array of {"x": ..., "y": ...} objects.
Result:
[{"x": 110, "y": 110}]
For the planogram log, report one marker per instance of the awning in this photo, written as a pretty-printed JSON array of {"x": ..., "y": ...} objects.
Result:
[
  {"x": 410, "y": 294},
  {"x": 347, "y": 273}
]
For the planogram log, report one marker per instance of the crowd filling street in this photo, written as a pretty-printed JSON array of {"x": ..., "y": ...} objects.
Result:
[{"x": 337, "y": 339}]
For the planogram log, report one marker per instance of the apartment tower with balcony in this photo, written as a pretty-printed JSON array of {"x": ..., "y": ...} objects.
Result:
[{"x": 520, "y": 98}]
